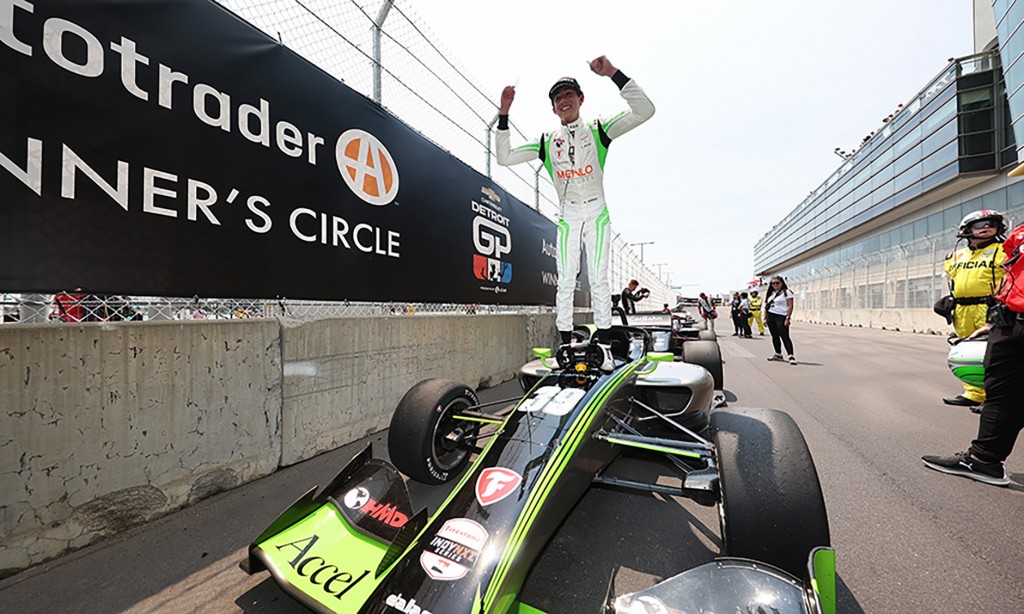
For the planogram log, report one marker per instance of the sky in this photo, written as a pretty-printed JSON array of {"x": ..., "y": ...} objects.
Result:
[{"x": 752, "y": 99}]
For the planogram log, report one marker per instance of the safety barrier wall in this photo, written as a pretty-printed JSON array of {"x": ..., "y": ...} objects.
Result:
[
  {"x": 908, "y": 320},
  {"x": 105, "y": 426}
]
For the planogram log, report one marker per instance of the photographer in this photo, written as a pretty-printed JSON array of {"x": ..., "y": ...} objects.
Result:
[
  {"x": 630, "y": 295},
  {"x": 1002, "y": 415}
]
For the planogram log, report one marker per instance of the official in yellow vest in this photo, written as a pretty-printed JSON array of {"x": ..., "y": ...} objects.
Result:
[
  {"x": 755, "y": 311},
  {"x": 974, "y": 275}
]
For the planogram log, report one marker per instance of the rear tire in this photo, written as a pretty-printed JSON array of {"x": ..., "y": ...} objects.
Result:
[
  {"x": 706, "y": 354},
  {"x": 700, "y": 325},
  {"x": 422, "y": 437},
  {"x": 707, "y": 335},
  {"x": 771, "y": 509}
]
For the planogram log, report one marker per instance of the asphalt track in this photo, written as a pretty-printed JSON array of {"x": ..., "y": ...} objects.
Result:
[{"x": 907, "y": 539}]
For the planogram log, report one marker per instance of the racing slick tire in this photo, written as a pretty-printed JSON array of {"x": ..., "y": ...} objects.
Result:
[
  {"x": 420, "y": 441},
  {"x": 700, "y": 325},
  {"x": 707, "y": 335},
  {"x": 771, "y": 507},
  {"x": 706, "y": 354}
]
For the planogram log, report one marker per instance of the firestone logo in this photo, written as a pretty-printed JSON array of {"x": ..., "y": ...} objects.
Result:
[
  {"x": 367, "y": 167},
  {"x": 496, "y": 483}
]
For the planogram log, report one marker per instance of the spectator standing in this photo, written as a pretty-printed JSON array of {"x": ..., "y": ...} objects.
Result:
[
  {"x": 707, "y": 310},
  {"x": 744, "y": 316},
  {"x": 734, "y": 309},
  {"x": 974, "y": 274},
  {"x": 1002, "y": 415},
  {"x": 778, "y": 308}
]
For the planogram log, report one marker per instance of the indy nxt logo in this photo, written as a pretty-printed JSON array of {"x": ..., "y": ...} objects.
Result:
[{"x": 492, "y": 239}]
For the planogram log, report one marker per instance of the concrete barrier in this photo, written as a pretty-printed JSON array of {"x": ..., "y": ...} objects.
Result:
[
  {"x": 106, "y": 426},
  {"x": 909, "y": 320}
]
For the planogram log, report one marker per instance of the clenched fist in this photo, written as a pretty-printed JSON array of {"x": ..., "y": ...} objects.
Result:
[
  {"x": 507, "y": 96},
  {"x": 602, "y": 67}
]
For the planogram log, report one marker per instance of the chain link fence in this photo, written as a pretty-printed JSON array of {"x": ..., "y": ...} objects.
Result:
[
  {"x": 905, "y": 276},
  {"x": 384, "y": 51}
]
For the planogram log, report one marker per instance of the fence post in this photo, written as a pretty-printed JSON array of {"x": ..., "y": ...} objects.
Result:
[
  {"x": 490, "y": 126},
  {"x": 536, "y": 188},
  {"x": 377, "y": 24}
]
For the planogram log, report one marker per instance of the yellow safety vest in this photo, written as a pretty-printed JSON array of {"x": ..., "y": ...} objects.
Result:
[{"x": 975, "y": 272}]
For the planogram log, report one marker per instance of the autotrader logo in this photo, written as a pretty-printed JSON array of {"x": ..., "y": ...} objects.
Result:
[{"x": 367, "y": 167}]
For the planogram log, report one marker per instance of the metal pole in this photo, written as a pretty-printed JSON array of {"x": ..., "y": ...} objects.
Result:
[
  {"x": 536, "y": 188},
  {"x": 377, "y": 24},
  {"x": 906, "y": 282},
  {"x": 642, "y": 248},
  {"x": 490, "y": 126}
]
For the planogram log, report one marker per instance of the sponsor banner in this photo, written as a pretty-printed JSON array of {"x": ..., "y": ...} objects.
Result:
[{"x": 170, "y": 148}]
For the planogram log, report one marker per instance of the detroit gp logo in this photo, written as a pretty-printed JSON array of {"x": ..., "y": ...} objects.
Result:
[{"x": 492, "y": 240}]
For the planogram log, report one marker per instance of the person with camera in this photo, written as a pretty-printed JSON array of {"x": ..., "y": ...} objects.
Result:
[
  {"x": 974, "y": 274},
  {"x": 706, "y": 309},
  {"x": 1002, "y": 414},
  {"x": 631, "y": 294}
]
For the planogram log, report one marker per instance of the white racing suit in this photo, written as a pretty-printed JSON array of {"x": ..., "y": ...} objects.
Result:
[{"x": 574, "y": 156}]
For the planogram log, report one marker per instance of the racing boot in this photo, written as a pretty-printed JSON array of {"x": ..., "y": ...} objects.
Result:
[{"x": 608, "y": 364}]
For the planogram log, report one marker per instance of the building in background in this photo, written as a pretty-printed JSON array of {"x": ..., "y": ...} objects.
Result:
[{"x": 867, "y": 246}]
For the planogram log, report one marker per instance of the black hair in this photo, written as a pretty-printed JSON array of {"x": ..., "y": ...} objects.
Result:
[{"x": 772, "y": 291}]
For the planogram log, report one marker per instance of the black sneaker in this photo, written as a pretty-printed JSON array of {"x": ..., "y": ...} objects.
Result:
[
  {"x": 962, "y": 463},
  {"x": 777, "y": 358},
  {"x": 960, "y": 400}
]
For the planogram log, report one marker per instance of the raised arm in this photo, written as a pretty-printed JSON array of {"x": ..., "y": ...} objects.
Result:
[
  {"x": 641, "y": 108},
  {"x": 503, "y": 152}
]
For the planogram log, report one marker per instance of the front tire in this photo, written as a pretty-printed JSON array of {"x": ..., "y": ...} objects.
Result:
[
  {"x": 771, "y": 509},
  {"x": 706, "y": 354},
  {"x": 423, "y": 439}
]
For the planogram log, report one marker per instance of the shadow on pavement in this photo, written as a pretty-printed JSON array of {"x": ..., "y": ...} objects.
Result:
[
  {"x": 846, "y": 602},
  {"x": 267, "y": 596}
]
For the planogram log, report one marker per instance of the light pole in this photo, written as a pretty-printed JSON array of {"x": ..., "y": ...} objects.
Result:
[
  {"x": 642, "y": 248},
  {"x": 659, "y": 265}
]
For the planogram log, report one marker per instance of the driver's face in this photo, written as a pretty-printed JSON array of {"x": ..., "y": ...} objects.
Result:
[{"x": 567, "y": 104}]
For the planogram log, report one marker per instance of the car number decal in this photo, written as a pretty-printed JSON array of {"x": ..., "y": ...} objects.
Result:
[{"x": 553, "y": 400}]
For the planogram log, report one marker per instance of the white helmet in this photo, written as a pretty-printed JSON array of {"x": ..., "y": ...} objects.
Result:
[
  {"x": 966, "y": 361},
  {"x": 964, "y": 230}
]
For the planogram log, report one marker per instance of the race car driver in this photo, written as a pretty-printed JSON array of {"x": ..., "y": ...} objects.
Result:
[
  {"x": 974, "y": 274},
  {"x": 574, "y": 156}
]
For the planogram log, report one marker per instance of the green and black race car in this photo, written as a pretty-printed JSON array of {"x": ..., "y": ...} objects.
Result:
[{"x": 357, "y": 545}]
